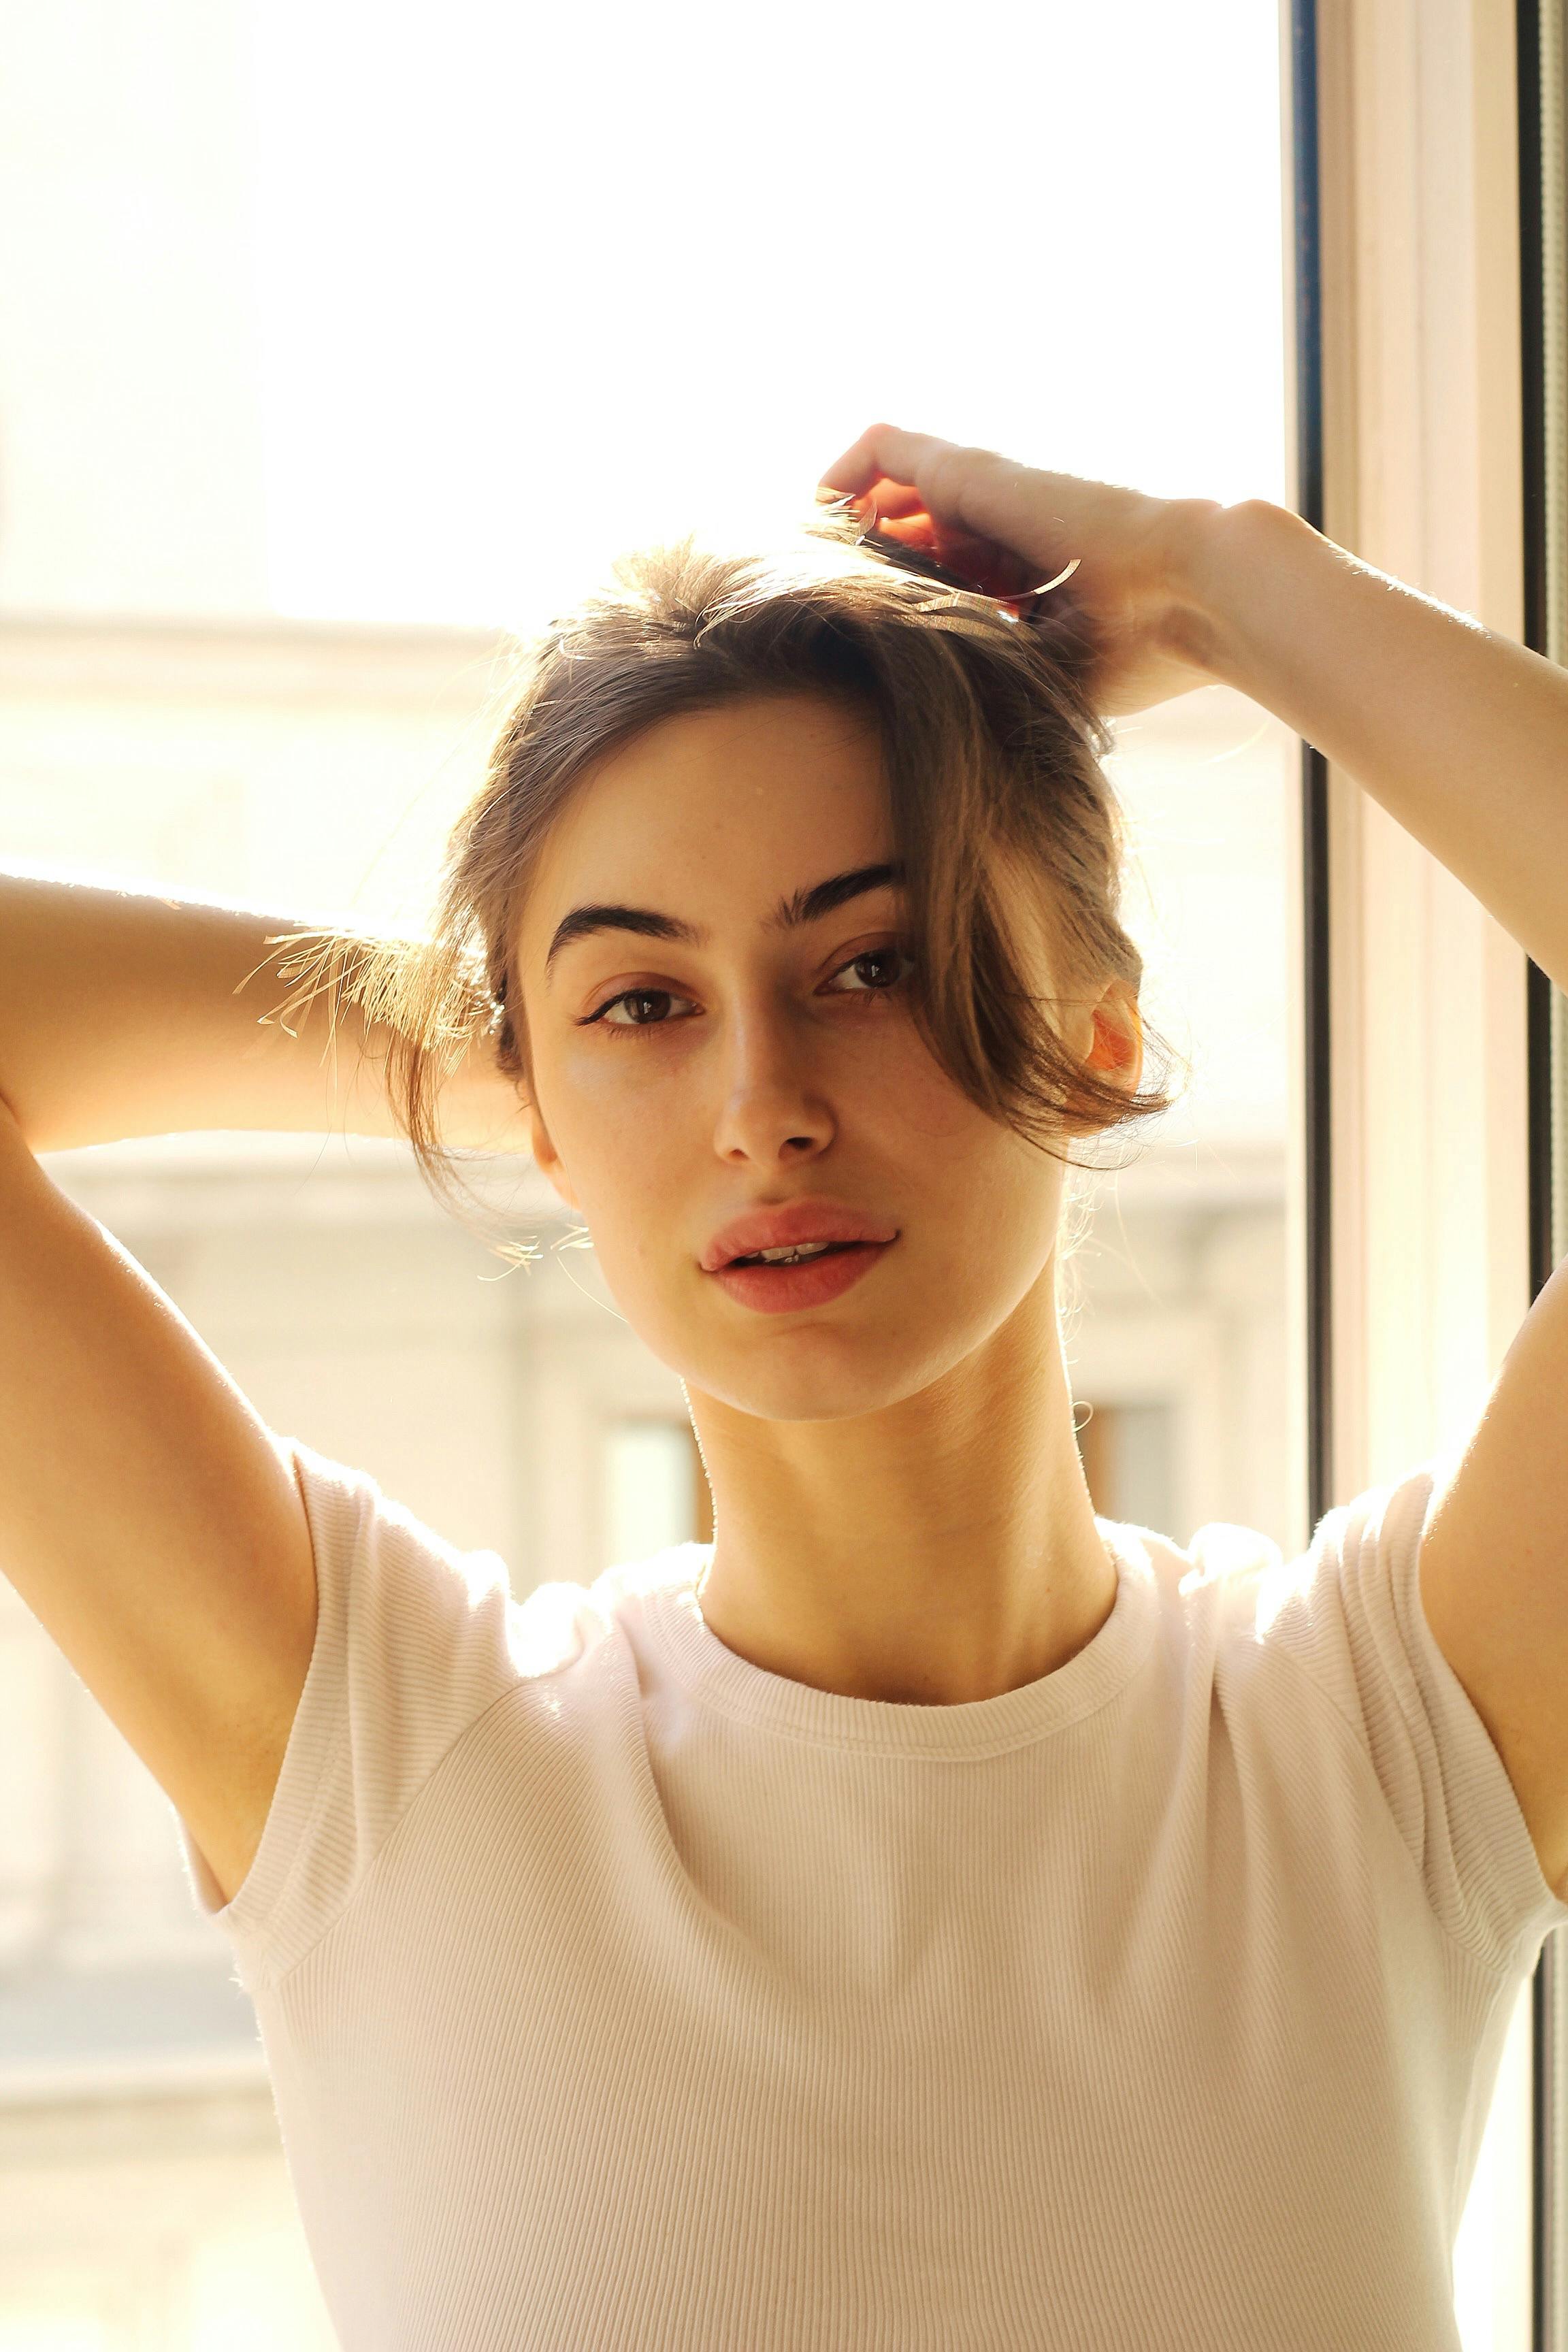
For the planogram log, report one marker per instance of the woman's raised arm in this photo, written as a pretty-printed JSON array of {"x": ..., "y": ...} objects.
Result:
[
  {"x": 123, "y": 1014},
  {"x": 148, "y": 1517}
]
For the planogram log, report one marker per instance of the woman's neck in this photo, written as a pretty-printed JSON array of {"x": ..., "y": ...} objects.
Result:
[{"x": 938, "y": 1550}]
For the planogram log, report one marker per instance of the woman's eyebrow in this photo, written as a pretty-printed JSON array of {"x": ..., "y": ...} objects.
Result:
[
  {"x": 805, "y": 906},
  {"x": 583, "y": 921},
  {"x": 826, "y": 897}
]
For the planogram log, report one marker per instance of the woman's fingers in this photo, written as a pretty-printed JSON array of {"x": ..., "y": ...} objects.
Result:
[
  {"x": 1011, "y": 530},
  {"x": 922, "y": 491},
  {"x": 889, "y": 499},
  {"x": 966, "y": 491},
  {"x": 883, "y": 452}
]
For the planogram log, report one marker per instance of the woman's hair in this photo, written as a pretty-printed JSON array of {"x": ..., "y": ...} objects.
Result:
[{"x": 992, "y": 752}]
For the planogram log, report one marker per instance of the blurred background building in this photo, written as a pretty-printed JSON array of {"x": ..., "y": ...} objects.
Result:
[{"x": 227, "y": 670}]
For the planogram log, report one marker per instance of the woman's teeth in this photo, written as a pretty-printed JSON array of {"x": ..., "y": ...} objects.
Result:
[{"x": 787, "y": 1256}]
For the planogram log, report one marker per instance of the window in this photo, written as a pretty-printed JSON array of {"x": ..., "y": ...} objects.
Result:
[
  {"x": 1127, "y": 1452},
  {"x": 1430, "y": 165},
  {"x": 654, "y": 1493},
  {"x": 352, "y": 326},
  {"x": 1178, "y": 1295}
]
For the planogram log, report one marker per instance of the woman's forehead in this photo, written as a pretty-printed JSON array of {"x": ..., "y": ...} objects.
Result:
[
  {"x": 725, "y": 807},
  {"x": 743, "y": 750}
]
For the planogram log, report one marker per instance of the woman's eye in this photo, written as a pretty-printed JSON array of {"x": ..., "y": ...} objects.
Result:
[
  {"x": 873, "y": 973},
  {"x": 638, "y": 1008}
]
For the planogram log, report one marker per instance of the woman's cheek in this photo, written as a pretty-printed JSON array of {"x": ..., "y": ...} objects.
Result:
[
  {"x": 916, "y": 1097},
  {"x": 604, "y": 1089}
]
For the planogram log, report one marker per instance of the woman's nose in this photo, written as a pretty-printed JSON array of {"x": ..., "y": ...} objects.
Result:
[{"x": 774, "y": 1109}]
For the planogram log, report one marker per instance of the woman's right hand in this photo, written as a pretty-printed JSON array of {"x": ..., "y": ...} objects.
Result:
[{"x": 1136, "y": 560}]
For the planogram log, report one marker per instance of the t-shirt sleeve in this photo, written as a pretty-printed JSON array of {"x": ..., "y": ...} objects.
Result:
[
  {"x": 1350, "y": 1612},
  {"x": 412, "y": 1645}
]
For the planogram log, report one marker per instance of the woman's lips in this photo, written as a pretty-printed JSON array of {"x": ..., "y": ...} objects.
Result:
[{"x": 809, "y": 1282}]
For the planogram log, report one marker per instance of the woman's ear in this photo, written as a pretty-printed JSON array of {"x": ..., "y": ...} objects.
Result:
[
  {"x": 1118, "y": 1048},
  {"x": 547, "y": 1158}
]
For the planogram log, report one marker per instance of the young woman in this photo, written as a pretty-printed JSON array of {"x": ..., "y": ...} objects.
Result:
[{"x": 930, "y": 1916}]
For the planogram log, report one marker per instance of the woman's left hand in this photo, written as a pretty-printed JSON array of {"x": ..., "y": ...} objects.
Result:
[{"x": 1009, "y": 528}]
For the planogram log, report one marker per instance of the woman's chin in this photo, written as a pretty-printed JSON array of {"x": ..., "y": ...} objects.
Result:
[
  {"x": 836, "y": 1382},
  {"x": 839, "y": 1363}
]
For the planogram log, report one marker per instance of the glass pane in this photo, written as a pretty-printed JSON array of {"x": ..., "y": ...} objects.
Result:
[
  {"x": 1180, "y": 1280},
  {"x": 650, "y": 1499},
  {"x": 373, "y": 347}
]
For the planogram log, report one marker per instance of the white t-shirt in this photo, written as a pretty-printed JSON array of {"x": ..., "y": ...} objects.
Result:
[{"x": 621, "y": 1997}]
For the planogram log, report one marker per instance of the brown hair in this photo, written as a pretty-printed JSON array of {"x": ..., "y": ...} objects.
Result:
[{"x": 993, "y": 754}]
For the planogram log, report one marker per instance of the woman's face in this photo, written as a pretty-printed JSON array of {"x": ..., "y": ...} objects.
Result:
[{"x": 719, "y": 1033}]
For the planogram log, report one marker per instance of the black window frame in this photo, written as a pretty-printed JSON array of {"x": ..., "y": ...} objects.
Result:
[{"x": 1542, "y": 49}]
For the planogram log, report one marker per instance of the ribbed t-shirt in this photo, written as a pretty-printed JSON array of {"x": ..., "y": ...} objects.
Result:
[{"x": 620, "y": 1996}]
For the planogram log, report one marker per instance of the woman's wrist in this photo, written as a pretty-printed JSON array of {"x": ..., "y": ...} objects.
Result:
[{"x": 1227, "y": 564}]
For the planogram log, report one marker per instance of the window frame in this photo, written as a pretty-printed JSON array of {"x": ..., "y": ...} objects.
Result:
[
  {"x": 1427, "y": 254},
  {"x": 1543, "y": 73}
]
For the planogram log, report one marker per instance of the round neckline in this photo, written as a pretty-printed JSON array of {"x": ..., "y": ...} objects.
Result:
[{"x": 718, "y": 1678}]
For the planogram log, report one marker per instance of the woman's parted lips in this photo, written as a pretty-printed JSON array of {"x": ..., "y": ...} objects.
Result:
[{"x": 788, "y": 1226}]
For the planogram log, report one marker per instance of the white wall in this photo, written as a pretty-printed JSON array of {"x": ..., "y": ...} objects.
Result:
[{"x": 131, "y": 452}]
